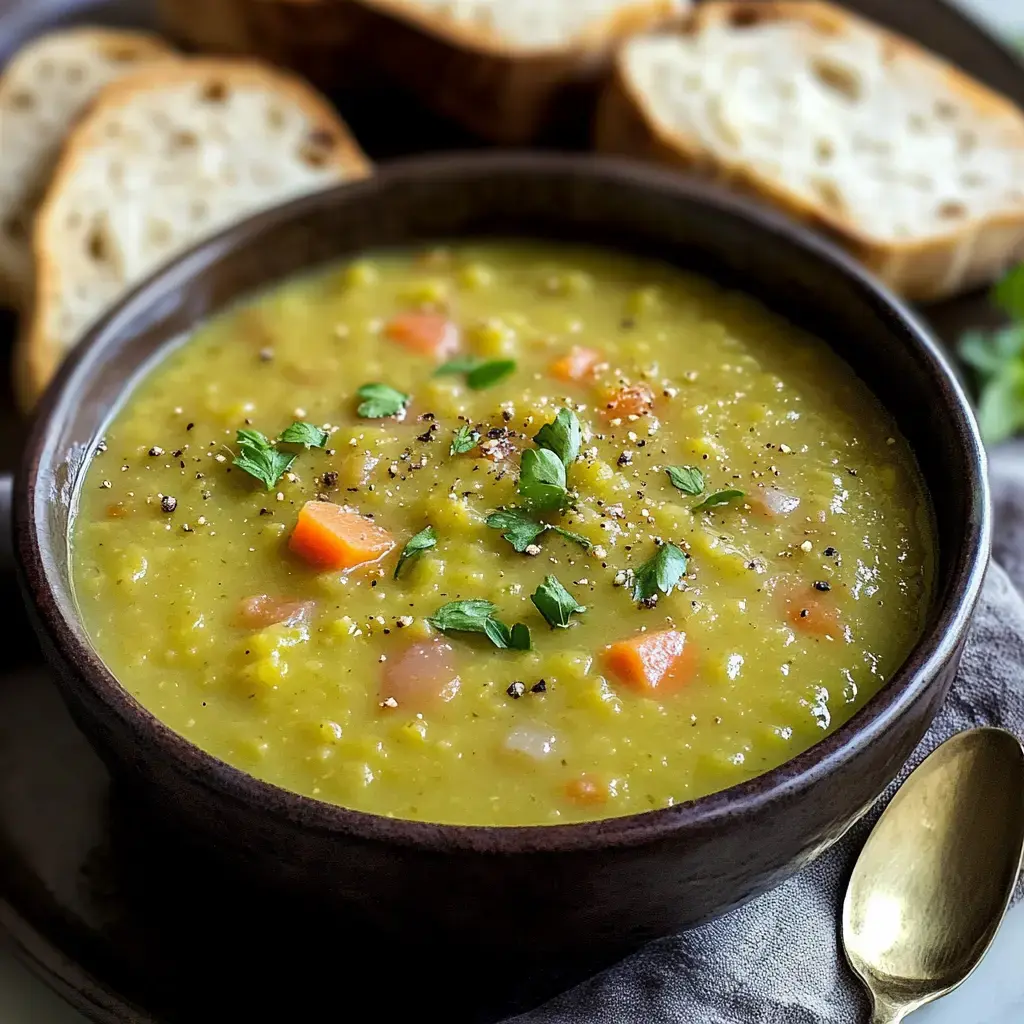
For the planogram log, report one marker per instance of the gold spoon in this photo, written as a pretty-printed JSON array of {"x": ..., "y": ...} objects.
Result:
[{"x": 934, "y": 879}]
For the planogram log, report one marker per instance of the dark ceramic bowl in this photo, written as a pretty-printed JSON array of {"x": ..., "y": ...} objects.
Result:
[{"x": 603, "y": 884}]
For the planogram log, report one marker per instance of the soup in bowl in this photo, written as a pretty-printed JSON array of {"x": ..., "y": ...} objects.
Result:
[
  {"x": 540, "y": 550},
  {"x": 503, "y": 534}
]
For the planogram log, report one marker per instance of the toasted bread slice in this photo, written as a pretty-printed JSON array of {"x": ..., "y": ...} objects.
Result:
[
  {"x": 913, "y": 166},
  {"x": 164, "y": 158},
  {"x": 43, "y": 90}
]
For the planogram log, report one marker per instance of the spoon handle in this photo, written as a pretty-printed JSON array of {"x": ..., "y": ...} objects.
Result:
[{"x": 884, "y": 1012}]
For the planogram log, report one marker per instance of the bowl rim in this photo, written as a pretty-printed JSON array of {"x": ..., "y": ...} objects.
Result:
[{"x": 935, "y": 647}]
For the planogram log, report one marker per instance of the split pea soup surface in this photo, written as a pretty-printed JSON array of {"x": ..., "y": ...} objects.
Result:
[{"x": 503, "y": 534}]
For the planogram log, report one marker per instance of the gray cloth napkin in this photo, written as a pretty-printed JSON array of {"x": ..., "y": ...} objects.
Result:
[{"x": 777, "y": 960}]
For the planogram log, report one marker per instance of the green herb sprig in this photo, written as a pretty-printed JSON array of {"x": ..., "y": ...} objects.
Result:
[
  {"x": 687, "y": 479},
  {"x": 480, "y": 373},
  {"x": 661, "y": 572},
  {"x": 477, "y": 616},
  {"x": 997, "y": 360},
  {"x": 379, "y": 401},
  {"x": 422, "y": 541},
  {"x": 258, "y": 457},
  {"x": 718, "y": 499},
  {"x": 556, "y": 604}
]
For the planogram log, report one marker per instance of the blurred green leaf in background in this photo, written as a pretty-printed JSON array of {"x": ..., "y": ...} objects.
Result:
[{"x": 997, "y": 359}]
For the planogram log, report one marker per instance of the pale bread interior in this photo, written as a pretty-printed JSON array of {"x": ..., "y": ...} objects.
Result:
[
  {"x": 43, "y": 91},
  {"x": 163, "y": 160},
  {"x": 879, "y": 137},
  {"x": 530, "y": 23}
]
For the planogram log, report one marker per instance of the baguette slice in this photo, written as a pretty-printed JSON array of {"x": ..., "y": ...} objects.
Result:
[
  {"x": 917, "y": 169},
  {"x": 43, "y": 90},
  {"x": 320, "y": 39},
  {"x": 510, "y": 71},
  {"x": 164, "y": 158}
]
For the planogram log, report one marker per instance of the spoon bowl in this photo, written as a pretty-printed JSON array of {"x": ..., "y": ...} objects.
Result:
[{"x": 935, "y": 877}]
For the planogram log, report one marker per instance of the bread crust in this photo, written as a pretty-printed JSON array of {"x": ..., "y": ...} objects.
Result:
[
  {"x": 37, "y": 355},
  {"x": 16, "y": 274},
  {"x": 499, "y": 90},
  {"x": 923, "y": 269}
]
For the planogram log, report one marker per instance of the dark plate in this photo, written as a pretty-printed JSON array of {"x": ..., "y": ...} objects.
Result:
[{"x": 106, "y": 915}]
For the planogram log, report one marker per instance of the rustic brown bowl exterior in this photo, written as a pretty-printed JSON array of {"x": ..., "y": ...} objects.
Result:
[{"x": 607, "y": 884}]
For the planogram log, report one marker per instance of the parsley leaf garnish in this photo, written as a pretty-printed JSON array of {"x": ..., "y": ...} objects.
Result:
[
  {"x": 477, "y": 616},
  {"x": 380, "y": 401},
  {"x": 687, "y": 479},
  {"x": 542, "y": 478},
  {"x": 305, "y": 434},
  {"x": 555, "y": 603},
  {"x": 517, "y": 638},
  {"x": 576, "y": 538},
  {"x": 520, "y": 529},
  {"x": 563, "y": 436},
  {"x": 460, "y": 364},
  {"x": 480, "y": 373},
  {"x": 462, "y": 616},
  {"x": 253, "y": 437},
  {"x": 423, "y": 541},
  {"x": 662, "y": 571},
  {"x": 489, "y": 373},
  {"x": 717, "y": 499},
  {"x": 465, "y": 440},
  {"x": 259, "y": 458}
]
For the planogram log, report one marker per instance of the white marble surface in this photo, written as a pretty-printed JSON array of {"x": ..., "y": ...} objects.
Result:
[{"x": 993, "y": 995}]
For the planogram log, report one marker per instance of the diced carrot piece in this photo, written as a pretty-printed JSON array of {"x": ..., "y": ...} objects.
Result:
[
  {"x": 429, "y": 334},
  {"x": 586, "y": 791},
  {"x": 331, "y": 537},
  {"x": 635, "y": 400},
  {"x": 652, "y": 663},
  {"x": 262, "y": 610},
  {"x": 576, "y": 365},
  {"x": 421, "y": 676},
  {"x": 813, "y": 613}
]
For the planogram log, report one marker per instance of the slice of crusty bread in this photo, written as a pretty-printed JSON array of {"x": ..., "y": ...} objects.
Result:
[
  {"x": 43, "y": 90},
  {"x": 913, "y": 166},
  {"x": 504, "y": 69},
  {"x": 165, "y": 157},
  {"x": 510, "y": 71}
]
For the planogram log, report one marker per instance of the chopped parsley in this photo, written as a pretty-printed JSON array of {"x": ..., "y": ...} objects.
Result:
[
  {"x": 717, "y": 499},
  {"x": 542, "y": 479},
  {"x": 423, "y": 541},
  {"x": 687, "y": 479},
  {"x": 258, "y": 457},
  {"x": 480, "y": 373},
  {"x": 520, "y": 530},
  {"x": 576, "y": 538},
  {"x": 477, "y": 616},
  {"x": 488, "y": 374},
  {"x": 563, "y": 436},
  {"x": 305, "y": 434},
  {"x": 661, "y": 572},
  {"x": 465, "y": 440},
  {"x": 380, "y": 401},
  {"x": 460, "y": 364},
  {"x": 517, "y": 638},
  {"x": 555, "y": 603}
]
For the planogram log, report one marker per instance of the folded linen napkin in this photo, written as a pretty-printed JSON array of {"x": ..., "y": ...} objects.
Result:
[{"x": 777, "y": 960}]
